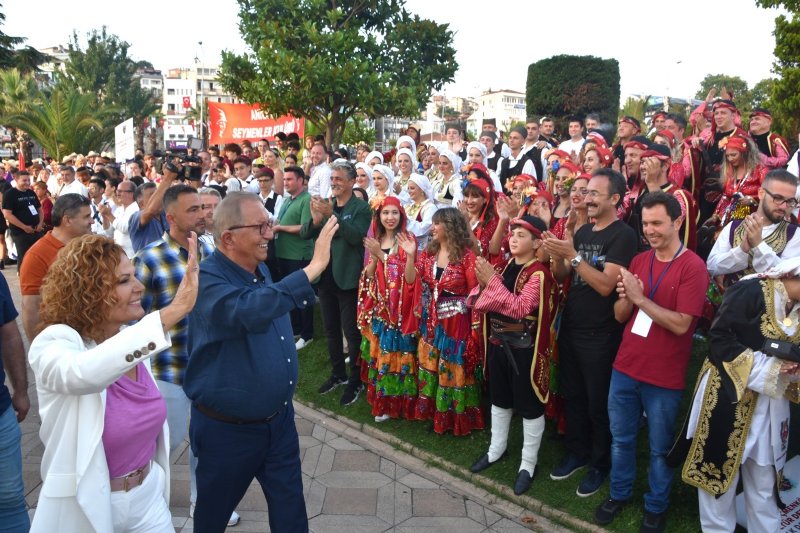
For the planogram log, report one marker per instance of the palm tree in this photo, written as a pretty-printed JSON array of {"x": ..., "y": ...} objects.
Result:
[
  {"x": 66, "y": 121},
  {"x": 16, "y": 91},
  {"x": 141, "y": 105}
]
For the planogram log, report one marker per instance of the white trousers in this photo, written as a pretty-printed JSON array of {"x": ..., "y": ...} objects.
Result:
[
  {"x": 143, "y": 508},
  {"x": 763, "y": 515}
]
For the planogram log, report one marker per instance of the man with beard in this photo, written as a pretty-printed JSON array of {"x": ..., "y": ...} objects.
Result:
[
  {"x": 760, "y": 240},
  {"x": 774, "y": 148}
]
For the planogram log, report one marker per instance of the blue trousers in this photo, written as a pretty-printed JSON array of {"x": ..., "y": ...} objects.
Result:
[
  {"x": 229, "y": 456},
  {"x": 626, "y": 400},
  {"x": 13, "y": 511}
]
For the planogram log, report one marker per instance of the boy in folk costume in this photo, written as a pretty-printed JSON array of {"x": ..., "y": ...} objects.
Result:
[{"x": 520, "y": 301}]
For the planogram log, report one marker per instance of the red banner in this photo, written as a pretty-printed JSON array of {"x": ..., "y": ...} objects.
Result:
[{"x": 233, "y": 123}]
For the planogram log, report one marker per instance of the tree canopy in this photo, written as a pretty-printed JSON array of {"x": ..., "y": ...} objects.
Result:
[
  {"x": 104, "y": 70},
  {"x": 328, "y": 60},
  {"x": 13, "y": 55},
  {"x": 574, "y": 85}
]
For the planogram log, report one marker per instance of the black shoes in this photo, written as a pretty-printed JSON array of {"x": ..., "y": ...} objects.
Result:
[
  {"x": 523, "y": 482},
  {"x": 330, "y": 384},
  {"x": 608, "y": 511},
  {"x": 483, "y": 463},
  {"x": 351, "y": 393}
]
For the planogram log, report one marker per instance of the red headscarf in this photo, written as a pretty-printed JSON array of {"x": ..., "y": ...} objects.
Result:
[
  {"x": 735, "y": 142},
  {"x": 387, "y": 201}
]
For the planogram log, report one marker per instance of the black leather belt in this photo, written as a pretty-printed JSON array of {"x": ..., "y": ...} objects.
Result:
[{"x": 210, "y": 413}]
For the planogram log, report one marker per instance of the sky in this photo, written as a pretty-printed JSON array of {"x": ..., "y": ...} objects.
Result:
[{"x": 663, "y": 48}]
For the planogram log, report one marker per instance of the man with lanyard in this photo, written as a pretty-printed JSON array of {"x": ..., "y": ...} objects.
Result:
[
  {"x": 589, "y": 335},
  {"x": 655, "y": 165},
  {"x": 761, "y": 240},
  {"x": 774, "y": 151},
  {"x": 704, "y": 157},
  {"x": 661, "y": 296}
]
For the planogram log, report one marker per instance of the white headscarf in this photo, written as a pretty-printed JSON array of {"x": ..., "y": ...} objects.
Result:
[
  {"x": 479, "y": 146},
  {"x": 423, "y": 183},
  {"x": 454, "y": 159},
  {"x": 410, "y": 154},
  {"x": 409, "y": 140},
  {"x": 368, "y": 169},
  {"x": 388, "y": 174},
  {"x": 372, "y": 155}
]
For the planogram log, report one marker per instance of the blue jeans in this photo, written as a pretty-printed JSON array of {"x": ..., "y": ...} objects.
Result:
[
  {"x": 13, "y": 510},
  {"x": 627, "y": 398}
]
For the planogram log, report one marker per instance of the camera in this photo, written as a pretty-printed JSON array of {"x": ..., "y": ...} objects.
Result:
[{"x": 185, "y": 166}]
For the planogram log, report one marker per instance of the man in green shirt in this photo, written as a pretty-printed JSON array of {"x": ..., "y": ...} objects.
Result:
[
  {"x": 292, "y": 251},
  {"x": 338, "y": 285}
]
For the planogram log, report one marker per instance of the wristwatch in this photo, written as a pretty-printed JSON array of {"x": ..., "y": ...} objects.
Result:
[{"x": 575, "y": 261}]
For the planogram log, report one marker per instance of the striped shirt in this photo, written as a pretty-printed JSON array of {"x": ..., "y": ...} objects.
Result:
[{"x": 160, "y": 267}]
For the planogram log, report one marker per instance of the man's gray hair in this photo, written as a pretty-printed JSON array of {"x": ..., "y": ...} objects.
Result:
[
  {"x": 229, "y": 212},
  {"x": 210, "y": 191}
]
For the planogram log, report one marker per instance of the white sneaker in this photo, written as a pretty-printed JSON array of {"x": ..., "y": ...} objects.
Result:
[
  {"x": 382, "y": 418},
  {"x": 302, "y": 343},
  {"x": 234, "y": 519}
]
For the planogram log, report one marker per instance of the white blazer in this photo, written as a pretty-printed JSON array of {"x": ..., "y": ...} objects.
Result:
[{"x": 72, "y": 375}]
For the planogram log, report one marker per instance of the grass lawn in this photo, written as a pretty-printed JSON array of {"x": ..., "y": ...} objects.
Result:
[{"x": 462, "y": 451}]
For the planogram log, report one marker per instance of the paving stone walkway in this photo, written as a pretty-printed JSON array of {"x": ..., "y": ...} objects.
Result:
[{"x": 353, "y": 483}]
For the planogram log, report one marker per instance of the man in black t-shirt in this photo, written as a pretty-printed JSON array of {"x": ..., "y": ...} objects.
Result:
[
  {"x": 24, "y": 215},
  {"x": 589, "y": 335}
]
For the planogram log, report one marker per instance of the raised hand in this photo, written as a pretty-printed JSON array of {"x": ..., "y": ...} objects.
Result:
[
  {"x": 407, "y": 243},
  {"x": 374, "y": 247}
]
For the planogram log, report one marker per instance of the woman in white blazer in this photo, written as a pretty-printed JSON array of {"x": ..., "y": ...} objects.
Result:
[{"x": 84, "y": 362}]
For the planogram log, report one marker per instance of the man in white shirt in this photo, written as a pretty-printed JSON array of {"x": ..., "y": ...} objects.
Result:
[
  {"x": 575, "y": 142},
  {"x": 120, "y": 217},
  {"x": 320, "y": 182},
  {"x": 517, "y": 162},
  {"x": 69, "y": 183},
  {"x": 100, "y": 226},
  {"x": 241, "y": 173},
  {"x": 762, "y": 239}
]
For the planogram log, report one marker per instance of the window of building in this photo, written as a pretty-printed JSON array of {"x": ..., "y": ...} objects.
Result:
[
  {"x": 170, "y": 91},
  {"x": 170, "y": 107}
]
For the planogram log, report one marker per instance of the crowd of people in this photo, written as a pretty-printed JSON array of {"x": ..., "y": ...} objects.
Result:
[{"x": 458, "y": 283}]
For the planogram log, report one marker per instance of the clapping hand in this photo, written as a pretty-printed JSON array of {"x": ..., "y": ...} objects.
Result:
[
  {"x": 374, "y": 248},
  {"x": 562, "y": 249},
  {"x": 633, "y": 288},
  {"x": 483, "y": 271},
  {"x": 407, "y": 243},
  {"x": 507, "y": 208}
]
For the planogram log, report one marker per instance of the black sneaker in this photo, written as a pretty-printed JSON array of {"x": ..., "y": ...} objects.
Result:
[
  {"x": 608, "y": 511},
  {"x": 350, "y": 394},
  {"x": 591, "y": 482},
  {"x": 653, "y": 522},
  {"x": 568, "y": 466},
  {"x": 331, "y": 383}
]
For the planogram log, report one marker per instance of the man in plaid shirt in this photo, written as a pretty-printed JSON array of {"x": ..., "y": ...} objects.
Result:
[{"x": 160, "y": 267}]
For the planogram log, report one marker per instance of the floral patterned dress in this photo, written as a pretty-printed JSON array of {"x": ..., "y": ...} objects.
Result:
[
  {"x": 388, "y": 348},
  {"x": 450, "y": 369}
]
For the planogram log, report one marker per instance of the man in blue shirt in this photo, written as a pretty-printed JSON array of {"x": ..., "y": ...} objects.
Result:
[
  {"x": 242, "y": 369},
  {"x": 150, "y": 222},
  {"x": 13, "y": 409}
]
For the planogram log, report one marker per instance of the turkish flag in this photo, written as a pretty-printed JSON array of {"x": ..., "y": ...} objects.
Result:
[{"x": 187, "y": 102}]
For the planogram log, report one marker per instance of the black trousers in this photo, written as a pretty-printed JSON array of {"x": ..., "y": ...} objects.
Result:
[
  {"x": 339, "y": 313},
  {"x": 511, "y": 390},
  {"x": 302, "y": 319},
  {"x": 23, "y": 242},
  {"x": 585, "y": 359}
]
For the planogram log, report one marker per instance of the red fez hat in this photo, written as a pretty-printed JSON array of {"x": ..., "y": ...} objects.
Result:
[
  {"x": 761, "y": 112},
  {"x": 560, "y": 153},
  {"x": 527, "y": 225},
  {"x": 544, "y": 194},
  {"x": 636, "y": 144},
  {"x": 525, "y": 178}
]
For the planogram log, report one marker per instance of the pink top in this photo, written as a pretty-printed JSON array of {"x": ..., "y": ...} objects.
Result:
[{"x": 135, "y": 414}]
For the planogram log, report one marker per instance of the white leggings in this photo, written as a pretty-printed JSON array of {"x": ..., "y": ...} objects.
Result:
[
  {"x": 143, "y": 509},
  {"x": 763, "y": 515}
]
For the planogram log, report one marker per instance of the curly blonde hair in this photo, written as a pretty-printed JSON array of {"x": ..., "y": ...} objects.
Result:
[
  {"x": 79, "y": 288},
  {"x": 458, "y": 234}
]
